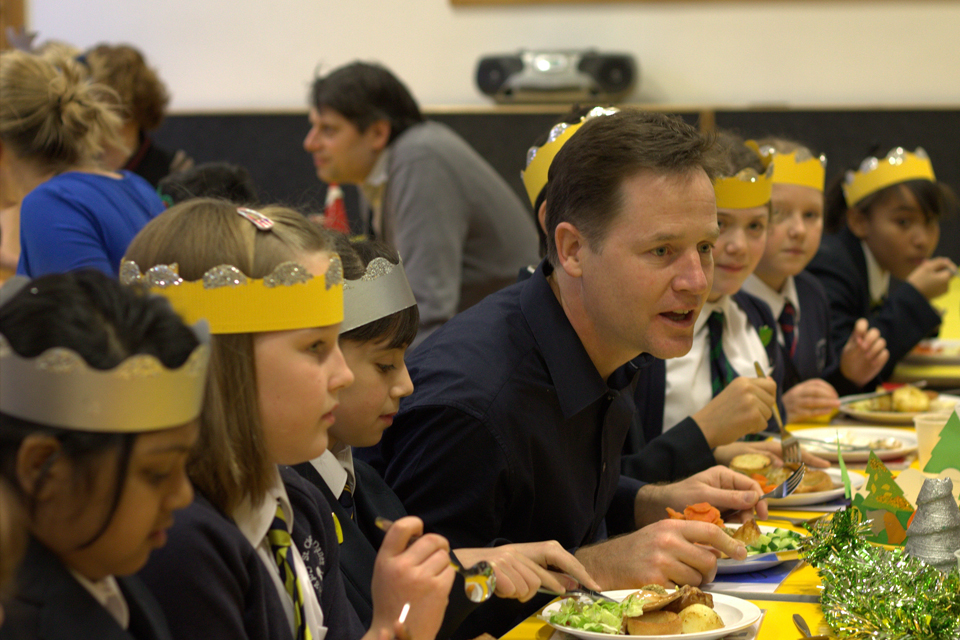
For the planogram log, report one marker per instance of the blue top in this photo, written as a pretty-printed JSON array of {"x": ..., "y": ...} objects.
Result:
[
  {"x": 77, "y": 220},
  {"x": 512, "y": 433}
]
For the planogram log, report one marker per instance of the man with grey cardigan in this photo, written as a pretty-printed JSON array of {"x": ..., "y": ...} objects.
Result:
[{"x": 461, "y": 231}]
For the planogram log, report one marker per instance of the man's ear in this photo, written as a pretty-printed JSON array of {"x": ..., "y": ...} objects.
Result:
[
  {"x": 858, "y": 222},
  {"x": 379, "y": 133},
  {"x": 40, "y": 455},
  {"x": 570, "y": 246}
]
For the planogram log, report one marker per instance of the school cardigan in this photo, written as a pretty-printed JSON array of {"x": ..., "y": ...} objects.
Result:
[
  {"x": 50, "y": 604},
  {"x": 652, "y": 455},
  {"x": 212, "y": 584},
  {"x": 904, "y": 318},
  {"x": 373, "y": 498}
]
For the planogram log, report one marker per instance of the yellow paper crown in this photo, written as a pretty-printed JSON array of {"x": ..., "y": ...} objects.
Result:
[
  {"x": 539, "y": 159},
  {"x": 799, "y": 167},
  {"x": 899, "y": 166},
  {"x": 746, "y": 190},
  {"x": 289, "y": 298}
]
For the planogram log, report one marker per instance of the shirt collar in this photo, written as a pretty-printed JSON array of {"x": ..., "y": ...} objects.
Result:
[
  {"x": 378, "y": 173},
  {"x": 254, "y": 521},
  {"x": 336, "y": 468},
  {"x": 878, "y": 279},
  {"x": 708, "y": 308},
  {"x": 572, "y": 371},
  {"x": 775, "y": 299},
  {"x": 107, "y": 592}
]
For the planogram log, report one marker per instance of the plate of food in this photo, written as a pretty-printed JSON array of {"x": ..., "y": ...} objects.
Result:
[
  {"x": 814, "y": 488},
  {"x": 898, "y": 407},
  {"x": 653, "y": 612},
  {"x": 934, "y": 351},
  {"x": 857, "y": 442},
  {"x": 765, "y": 547}
]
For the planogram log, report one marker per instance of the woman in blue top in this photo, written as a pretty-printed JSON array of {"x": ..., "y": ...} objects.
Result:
[{"x": 53, "y": 125}]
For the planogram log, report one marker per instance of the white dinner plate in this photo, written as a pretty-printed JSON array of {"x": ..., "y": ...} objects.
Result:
[
  {"x": 943, "y": 402},
  {"x": 816, "y": 497},
  {"x": 860, "y": 436},
  {"x": 736, "y": 614},
  {"x": 935, "y": 352},
  {"x": 754, "y": 562}
]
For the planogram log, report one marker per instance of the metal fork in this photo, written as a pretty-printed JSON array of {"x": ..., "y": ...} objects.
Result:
[
  {"x": 789, "y": 485},
  {"x": 789, "y": 446}
]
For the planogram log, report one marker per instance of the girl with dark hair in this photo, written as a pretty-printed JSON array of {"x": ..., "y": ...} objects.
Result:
[
  {"x": 380, "y": 322},
  {"x": 100, "y": 391},
  {"x": 256, "y": 556},
  {"x": 878, "y": 264}
]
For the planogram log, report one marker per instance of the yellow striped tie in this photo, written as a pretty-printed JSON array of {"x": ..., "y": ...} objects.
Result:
[{"x": 282, "y": 547}]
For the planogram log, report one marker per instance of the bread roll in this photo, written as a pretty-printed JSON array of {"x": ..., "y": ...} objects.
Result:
[
  {"x": 655, "y": 623},
  {"x": 750, "y": 463}
]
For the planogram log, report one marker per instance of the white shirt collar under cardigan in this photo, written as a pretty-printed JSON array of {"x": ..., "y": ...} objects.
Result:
[
  {"x": 254, "y": 523},
  {"x": 107, "y": 592},
  {"x": 336, "y": 468},
  {"x": 777, "y": 300},
  {"x": 373, "y": 187},
  {"x": 689, "y": 387},
  {"x": 878, "y": 280}
]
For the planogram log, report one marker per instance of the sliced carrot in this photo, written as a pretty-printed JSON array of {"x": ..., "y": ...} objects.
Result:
[{"x": 676, "y": 515}]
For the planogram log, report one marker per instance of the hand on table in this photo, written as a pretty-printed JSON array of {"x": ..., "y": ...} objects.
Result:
[
  {"x": 769, "y": 448},
  {"x": 810, "y": 399},
  {"x": 719, "y": 486}
]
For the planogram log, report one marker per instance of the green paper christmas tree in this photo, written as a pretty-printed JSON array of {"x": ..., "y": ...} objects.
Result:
[
  {"x": 946, "y": 453},
  {"x": 884, "y": 505}
]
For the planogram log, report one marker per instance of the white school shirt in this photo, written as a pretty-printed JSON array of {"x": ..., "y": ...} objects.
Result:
[
  {"x": 254, "y": 523},
  {"x": 689, "y": 387},
  {"x": 336, "y": 468},
  {"x": 777, "y": 300},
  {"x": 878, "y": 280},
  {"x": 107, "y": 592}
]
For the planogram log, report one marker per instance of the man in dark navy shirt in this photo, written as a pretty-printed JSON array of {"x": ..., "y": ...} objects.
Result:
[{"x": 522, "y": 403}]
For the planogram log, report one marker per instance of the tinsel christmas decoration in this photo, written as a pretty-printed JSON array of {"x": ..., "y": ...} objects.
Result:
[
  {"x": 870, "y": 592},
  {"x": 934, "y": 532}
]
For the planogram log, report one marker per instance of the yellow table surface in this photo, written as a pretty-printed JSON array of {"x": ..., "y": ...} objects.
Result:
[{"x": 938, "y": 376}]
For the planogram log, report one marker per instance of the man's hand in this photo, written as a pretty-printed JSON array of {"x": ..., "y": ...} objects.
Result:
[
  {"x": 523, "y": 568},
  {"x": 809, "y": 399},
  {"x": 745, "y": 406},
  {"x": 724, "y": 489},
  {"x": 864, "y": 354},
  {"x": 668, "y": 553}
]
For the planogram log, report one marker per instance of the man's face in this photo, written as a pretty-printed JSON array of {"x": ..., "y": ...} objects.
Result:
[
  {"x": 645, "y": 283},
  {"x": 342, "y": 154}
]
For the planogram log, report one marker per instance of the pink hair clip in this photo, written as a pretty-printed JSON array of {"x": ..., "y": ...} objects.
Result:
[{"x": 259, "y": 220}]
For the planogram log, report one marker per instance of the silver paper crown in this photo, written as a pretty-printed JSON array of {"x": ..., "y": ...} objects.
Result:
[
  {"x": 382, "y": 291},
  {"x": 59, "y": 389}
]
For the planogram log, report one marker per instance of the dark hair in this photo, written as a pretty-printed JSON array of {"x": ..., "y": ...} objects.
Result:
[
  {"x": 736, "y": 155},
  {"x": 936, "y": 200},
  {"x": 400, "y": 327},
  {"x": 363, "y": 93},
  {"x": 210, "y": 180},
  {"x": 584, "y": 183},
  {"x": 105, "y": 323}
]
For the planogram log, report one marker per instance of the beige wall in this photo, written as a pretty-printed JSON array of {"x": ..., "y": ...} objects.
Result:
[{"x": 261, "y": 54}]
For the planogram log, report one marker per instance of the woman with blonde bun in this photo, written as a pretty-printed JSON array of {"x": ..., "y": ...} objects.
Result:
[{"x": 53, "y": 126}]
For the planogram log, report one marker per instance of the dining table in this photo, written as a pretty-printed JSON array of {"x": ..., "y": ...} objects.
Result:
[{"x": 799, "y": 591}]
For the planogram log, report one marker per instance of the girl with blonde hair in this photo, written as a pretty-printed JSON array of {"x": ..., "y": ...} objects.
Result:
[
  {"x": 256, "y": 556},
  {"x": 53, "y": 127}
]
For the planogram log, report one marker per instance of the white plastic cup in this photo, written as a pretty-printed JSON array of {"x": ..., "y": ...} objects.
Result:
[{"x": 929, "y": 426}]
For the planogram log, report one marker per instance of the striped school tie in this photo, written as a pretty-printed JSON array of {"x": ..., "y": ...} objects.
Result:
[
  {"x": 788, "y": 323},
  {"x": 721, "y": 373},
  {"x": 281, "y": 546}
]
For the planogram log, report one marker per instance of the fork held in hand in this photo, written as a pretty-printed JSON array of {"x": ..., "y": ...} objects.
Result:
[
  {"x": 790, "y": 447},
  {"x": 788, "y": 486}
]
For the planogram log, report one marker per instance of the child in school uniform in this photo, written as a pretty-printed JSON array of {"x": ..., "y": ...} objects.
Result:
[
  {"x": 813, "y": 380},
  {"x": 695, "y": 408},
  {"x": 100, "y": 390},
  {"x": 256, "y": 556},
  {"x": 878, "y": 265},
  {"x": 380, "y": 322}
]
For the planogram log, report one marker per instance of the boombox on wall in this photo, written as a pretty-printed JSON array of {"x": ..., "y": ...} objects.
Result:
[{"x": 557, "y": 76}]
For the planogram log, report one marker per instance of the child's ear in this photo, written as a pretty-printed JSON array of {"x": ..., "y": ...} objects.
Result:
[
  {"x": 858, "y": 222},
  {"x": 39, "y": 457}
]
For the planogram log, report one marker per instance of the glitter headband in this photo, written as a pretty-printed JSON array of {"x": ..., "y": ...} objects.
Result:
[
  {"x": 59, "y": 389},
  {"x": 289, "y": 298},
  {"x": 874, "y": 175},
  {"x": 382, "y": 291},
  {"x": 746, "y": 190},
  {"x": 799, "y": 167}
]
